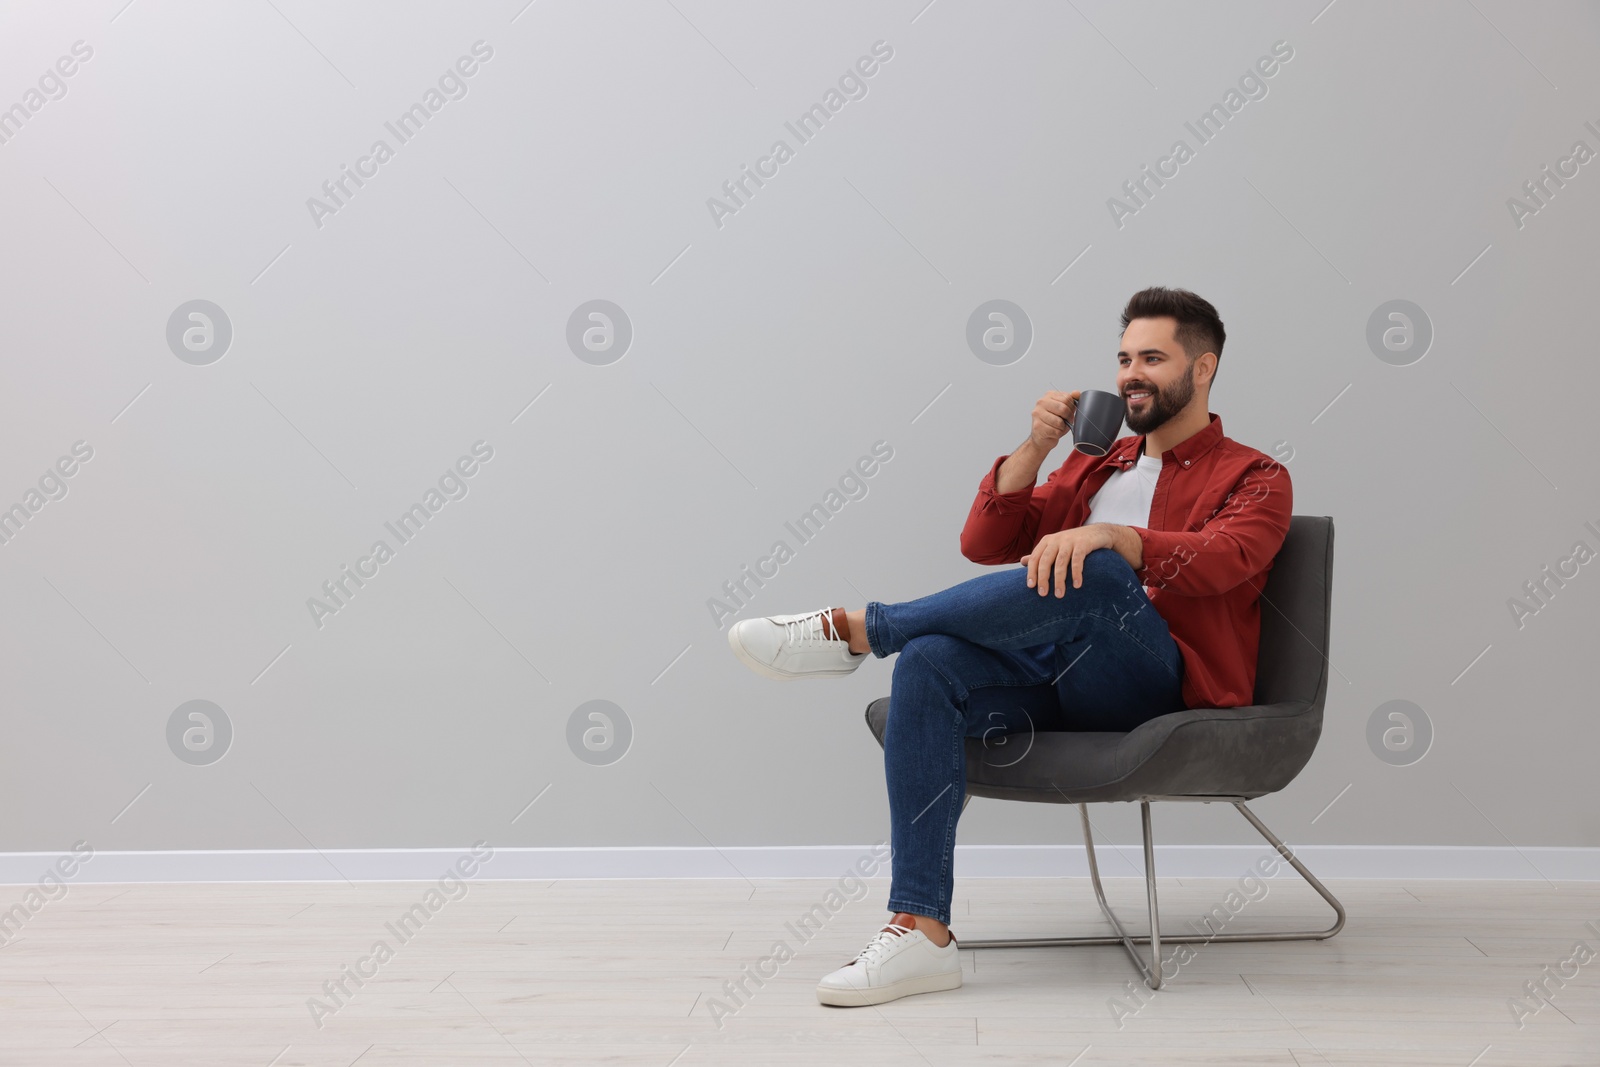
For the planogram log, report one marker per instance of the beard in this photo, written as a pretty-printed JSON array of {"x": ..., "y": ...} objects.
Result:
[{"x": 1162, "y": 405}]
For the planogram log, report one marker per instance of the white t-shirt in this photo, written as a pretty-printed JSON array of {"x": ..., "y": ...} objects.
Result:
[{"x": 1125, "y": 497}]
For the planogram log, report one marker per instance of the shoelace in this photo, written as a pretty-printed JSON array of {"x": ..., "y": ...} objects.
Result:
[
  {"x": 880, "y": 945},
  {"x": 808, "y": 630}
]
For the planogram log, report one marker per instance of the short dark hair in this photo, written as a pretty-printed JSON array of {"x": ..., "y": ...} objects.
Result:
[{"x": 1199, "y": 329}]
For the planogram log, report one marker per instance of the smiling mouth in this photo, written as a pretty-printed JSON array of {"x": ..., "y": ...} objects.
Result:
[{"x": 1134, "y": 398}]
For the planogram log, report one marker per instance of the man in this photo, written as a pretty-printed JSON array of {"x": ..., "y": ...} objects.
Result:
[{"x": 1139, "y": 597}]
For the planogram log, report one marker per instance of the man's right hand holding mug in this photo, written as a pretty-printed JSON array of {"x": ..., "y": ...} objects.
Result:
[{"x": 1052, "y": 417}]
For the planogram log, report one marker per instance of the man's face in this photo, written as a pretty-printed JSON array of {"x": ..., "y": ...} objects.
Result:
[{"x": 1152, "y": 362}]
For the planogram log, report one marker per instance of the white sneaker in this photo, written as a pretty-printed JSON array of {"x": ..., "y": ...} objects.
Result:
[
  {"x": 898, "y": 962},
  {"x": 793, "y": 646}
]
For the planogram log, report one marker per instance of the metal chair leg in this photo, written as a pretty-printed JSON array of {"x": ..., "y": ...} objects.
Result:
[
  {"x": 1153, "y": 977},
  {"x": 1152, "y": 970}
]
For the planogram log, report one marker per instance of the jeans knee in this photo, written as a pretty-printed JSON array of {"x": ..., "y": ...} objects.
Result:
[
  {"x": 929, "y": 660},
  {"x": 1108, "y": 563},
  {"x": 924, "y": 654},
  {"x": 1107, "y": 558}
]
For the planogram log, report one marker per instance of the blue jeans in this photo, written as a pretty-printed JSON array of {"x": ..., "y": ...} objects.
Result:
[{"x": 990, "y": 657}]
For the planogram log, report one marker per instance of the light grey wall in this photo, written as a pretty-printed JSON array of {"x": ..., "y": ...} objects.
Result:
[{"x": 371, "y": 350}]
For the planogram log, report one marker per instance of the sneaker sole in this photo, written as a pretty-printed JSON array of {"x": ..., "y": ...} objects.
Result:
[
  {"x": 772, "y": 672},
  {"x": 858, "y": 998}
]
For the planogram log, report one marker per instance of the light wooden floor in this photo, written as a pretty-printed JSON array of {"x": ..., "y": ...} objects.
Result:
[{"x": 621, "y": 972}]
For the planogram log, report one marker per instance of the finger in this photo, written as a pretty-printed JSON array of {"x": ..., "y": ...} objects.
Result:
[
  {"x": 1063, "y": 563},
  {"x": 1032, "y": 560},
  {"x": 1077, "y": 567},
  {"x": 1047, "y": 562}
]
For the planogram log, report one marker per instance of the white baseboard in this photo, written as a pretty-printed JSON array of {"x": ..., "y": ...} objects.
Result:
[{"x": 802, "y": 861}]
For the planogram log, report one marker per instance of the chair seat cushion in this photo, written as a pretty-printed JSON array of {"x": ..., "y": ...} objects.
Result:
[{"x": 1243, "y": 752}]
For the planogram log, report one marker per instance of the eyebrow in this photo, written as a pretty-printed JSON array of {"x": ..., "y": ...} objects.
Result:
[{"x": 1144, "y": 352}]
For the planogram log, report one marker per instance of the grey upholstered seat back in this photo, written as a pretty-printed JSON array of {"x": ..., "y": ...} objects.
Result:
[{"x": 1292, "y": 664}]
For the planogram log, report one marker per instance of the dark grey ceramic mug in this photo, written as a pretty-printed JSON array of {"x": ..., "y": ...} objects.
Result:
[{"x": 1098, "y": 421}]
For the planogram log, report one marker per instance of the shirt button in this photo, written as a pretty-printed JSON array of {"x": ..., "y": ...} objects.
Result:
[{"x": 1185, "y": 463}]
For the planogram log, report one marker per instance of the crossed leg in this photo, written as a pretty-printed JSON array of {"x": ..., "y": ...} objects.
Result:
[{"x": 992, "y": 658}]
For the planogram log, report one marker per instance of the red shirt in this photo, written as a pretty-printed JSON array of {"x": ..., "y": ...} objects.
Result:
[{"x": 1219, "y": 515}]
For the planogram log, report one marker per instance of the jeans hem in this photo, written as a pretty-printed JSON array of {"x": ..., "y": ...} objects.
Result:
[
  {"x": 872, "y": 623},
  {"x": 912, "y": 908}
]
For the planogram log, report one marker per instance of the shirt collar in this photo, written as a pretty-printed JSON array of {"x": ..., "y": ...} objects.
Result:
[{"x": 1128, "y": 450}]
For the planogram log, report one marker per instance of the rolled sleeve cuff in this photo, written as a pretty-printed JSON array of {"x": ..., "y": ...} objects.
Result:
[
  {"x": 1016, "y": 500},
  {"x": 1154, "y": 545},
  {"x": 1164, "y": 554}
]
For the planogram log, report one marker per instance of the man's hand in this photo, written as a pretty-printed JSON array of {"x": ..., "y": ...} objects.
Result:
[
  {"x": 1052, "y": 417},
  {"x": 1063, "y": 552}
]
